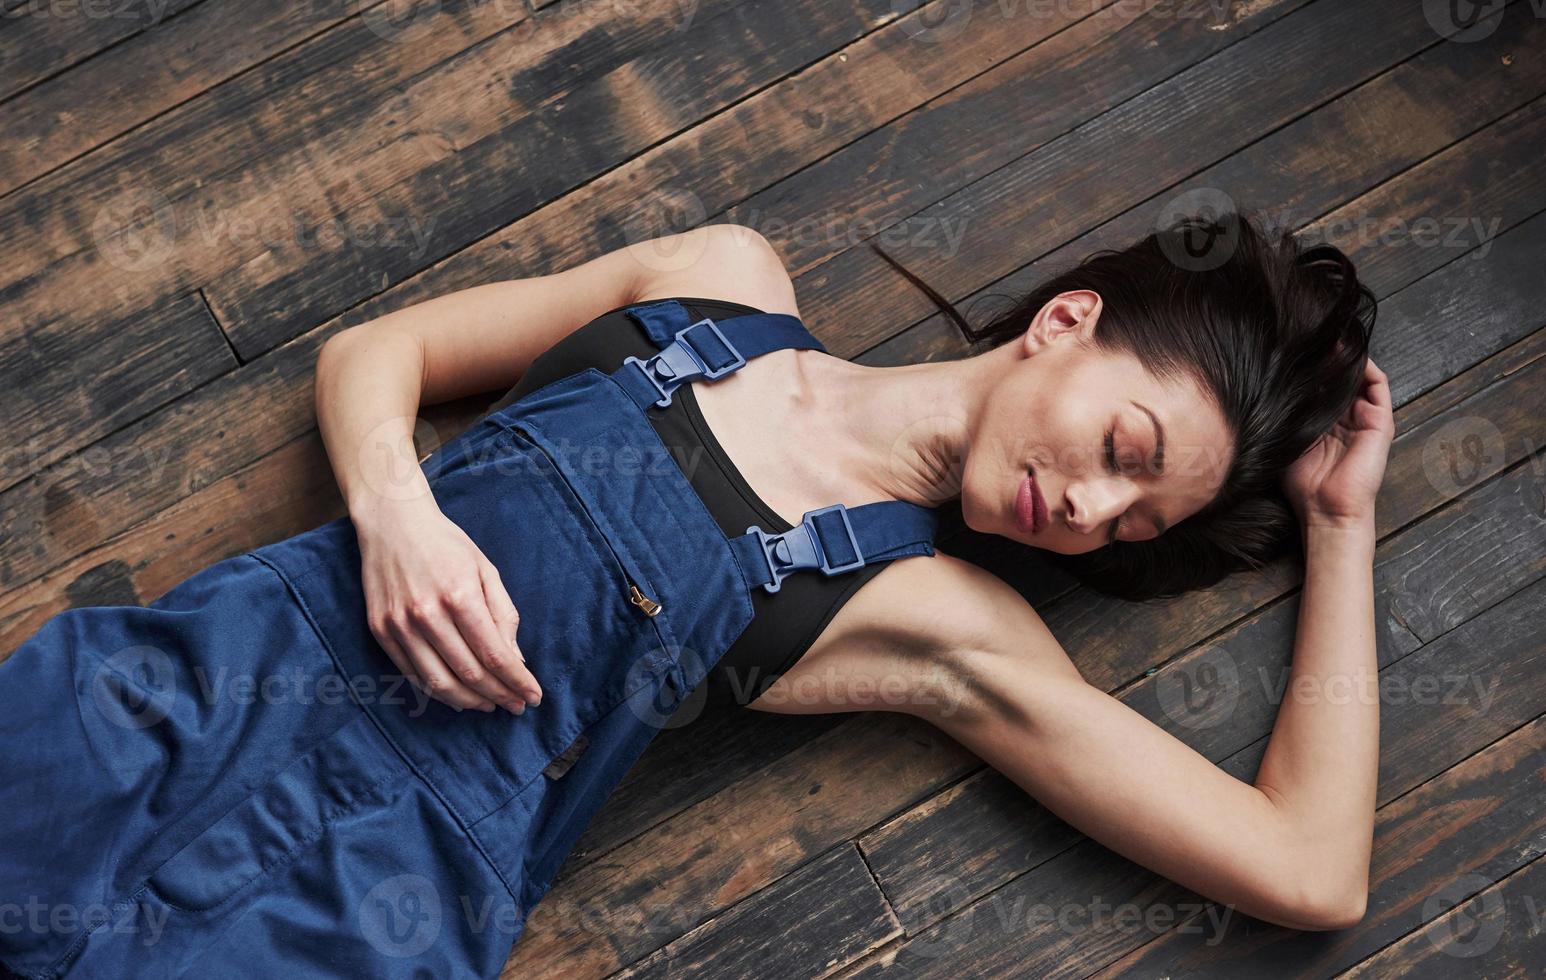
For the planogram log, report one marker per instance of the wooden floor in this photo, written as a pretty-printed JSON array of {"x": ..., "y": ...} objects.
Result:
[{"x": 196, "y": 193}]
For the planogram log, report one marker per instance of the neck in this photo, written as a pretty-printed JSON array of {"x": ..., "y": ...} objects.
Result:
[{"x": 902, "y": 432}]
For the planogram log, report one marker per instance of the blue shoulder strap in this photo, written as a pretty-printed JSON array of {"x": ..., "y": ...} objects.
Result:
[
  {"x": 701, "y": 349},
  {"x": 836, "y": 539},
  {"x": 833, "y": 539}
]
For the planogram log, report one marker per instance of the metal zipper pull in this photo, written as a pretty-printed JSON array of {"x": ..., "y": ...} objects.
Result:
[{"x": 649, "y": 606}]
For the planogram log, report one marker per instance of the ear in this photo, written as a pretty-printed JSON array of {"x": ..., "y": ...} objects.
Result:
[{"x": 1070, "y": 314}]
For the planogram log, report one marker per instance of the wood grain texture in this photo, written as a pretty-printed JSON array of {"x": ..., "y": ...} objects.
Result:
[
  {"x": 1492, "y": 930},
  {"x": 148, "y": 74},
  {"x": 41, "y": 40},
  {"x": 197, "y": 193},
  {"x": 1372, "y": 184}
]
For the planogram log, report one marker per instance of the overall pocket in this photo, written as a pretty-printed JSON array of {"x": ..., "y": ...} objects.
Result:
[
  {"x": 591, "y": 625},
  {"x": 348, "y": 771}
]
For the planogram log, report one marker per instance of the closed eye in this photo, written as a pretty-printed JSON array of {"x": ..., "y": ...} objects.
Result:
[{"x": 1111, "y": 466}]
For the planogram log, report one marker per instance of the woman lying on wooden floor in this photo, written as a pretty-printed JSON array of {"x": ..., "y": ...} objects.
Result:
[{"x": 685, "y": 491}]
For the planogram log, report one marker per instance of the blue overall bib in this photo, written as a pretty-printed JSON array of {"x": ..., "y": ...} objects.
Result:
[{"x": 235, "y": 780}]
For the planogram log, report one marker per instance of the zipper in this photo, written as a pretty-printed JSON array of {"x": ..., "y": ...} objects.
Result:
[
  {"x": 648, "y": 606},
  {"x": 636, "y": 597}
]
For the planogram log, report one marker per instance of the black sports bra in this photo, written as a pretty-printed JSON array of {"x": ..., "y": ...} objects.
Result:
[{"x": 785, "y": 624}]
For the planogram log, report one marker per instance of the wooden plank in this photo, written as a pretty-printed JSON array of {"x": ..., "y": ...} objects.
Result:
[
  {"x": 1495, "y": 931},
  {"x": 617, "y": 206},
  {"x": 149, "y": 73},
  {"x": 725, "y": 848},
  {"x": 1087, "y": 175},
  {"x": 807, "y": 924},
  {"x": 573, "y": 133},
  {"x": 147, "y": 362},
  {"x": 1492, "y": 160},
  {"x": 70, "y": 507},
  {"x": 306, "y": 178},
  {"x": 1247, "y": 666},
  {"x": 1026, "y": 103},
  {"x": 207, "y": 182},
  {"x": 1443, "y": 328},
  {"x": 1476, "y": 552},
  {"x": 39, "y": 40},
  {"x": 711, "y": 747},
  {"x": 1479, "y": 813},
  {"x": 222, "y": 519},
  {"x": 281, "y": 156}
]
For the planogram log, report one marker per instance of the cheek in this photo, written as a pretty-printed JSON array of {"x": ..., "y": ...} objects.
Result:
[{"x": 1065, "y": 431}]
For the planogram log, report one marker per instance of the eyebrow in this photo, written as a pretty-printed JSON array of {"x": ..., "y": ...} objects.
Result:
[{"x": 1159, "y": 453}]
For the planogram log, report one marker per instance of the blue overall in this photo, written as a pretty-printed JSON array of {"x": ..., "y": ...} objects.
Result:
[{"x": 235, "y": 780}]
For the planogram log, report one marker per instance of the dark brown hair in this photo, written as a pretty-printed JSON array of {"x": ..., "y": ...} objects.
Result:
[{"x": 1275, "y": 332}]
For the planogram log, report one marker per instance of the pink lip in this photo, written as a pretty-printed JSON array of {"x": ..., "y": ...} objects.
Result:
[{"x": 1030, "y": 508}]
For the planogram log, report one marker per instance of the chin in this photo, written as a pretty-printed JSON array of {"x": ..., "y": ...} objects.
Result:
[{"x": 983, "y": 520}]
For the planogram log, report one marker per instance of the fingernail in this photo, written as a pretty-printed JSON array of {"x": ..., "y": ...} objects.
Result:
[{"x": 488, "y": 706}]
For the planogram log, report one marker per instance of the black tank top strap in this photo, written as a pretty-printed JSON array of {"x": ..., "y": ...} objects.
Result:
[
  {"x": 788, "y": 619},
  {"x": 834, "y": 539}
]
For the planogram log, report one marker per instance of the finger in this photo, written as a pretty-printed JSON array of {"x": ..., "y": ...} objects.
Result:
[
  {"x": 506, "y": 661},
  {"x": 447, "y": 633},
  {"x": 483, "y": 645},
  {"x": 1377, "y": 391},
  {"x": 399, "y": 659},
  {"x": 435, "y": 678}
]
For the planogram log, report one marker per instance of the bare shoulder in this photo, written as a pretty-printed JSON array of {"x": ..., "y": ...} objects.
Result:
[
  {"x": 938, "y": 629},
  {"x": 723, "y": 261}
]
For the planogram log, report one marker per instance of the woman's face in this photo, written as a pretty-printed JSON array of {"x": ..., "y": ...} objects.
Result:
[{"x": 1112, "y": 452}]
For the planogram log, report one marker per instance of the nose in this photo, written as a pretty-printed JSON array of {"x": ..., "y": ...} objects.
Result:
[{"x": 1090, "y": 504}]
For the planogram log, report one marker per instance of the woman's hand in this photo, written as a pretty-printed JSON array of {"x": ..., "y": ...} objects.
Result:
[
  {"x": 436, "y": 605},
  {"x": 1337, "y": 479}
]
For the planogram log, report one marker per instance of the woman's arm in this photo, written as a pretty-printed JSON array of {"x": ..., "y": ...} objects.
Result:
[
  {"x": 434, "y": 602},
  {"x": 1294, "y": 847}
]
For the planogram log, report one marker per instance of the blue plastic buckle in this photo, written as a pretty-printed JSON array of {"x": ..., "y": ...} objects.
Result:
[
  {"x": 788, "y": 552},
  {"x": 678, "y": 362}
]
